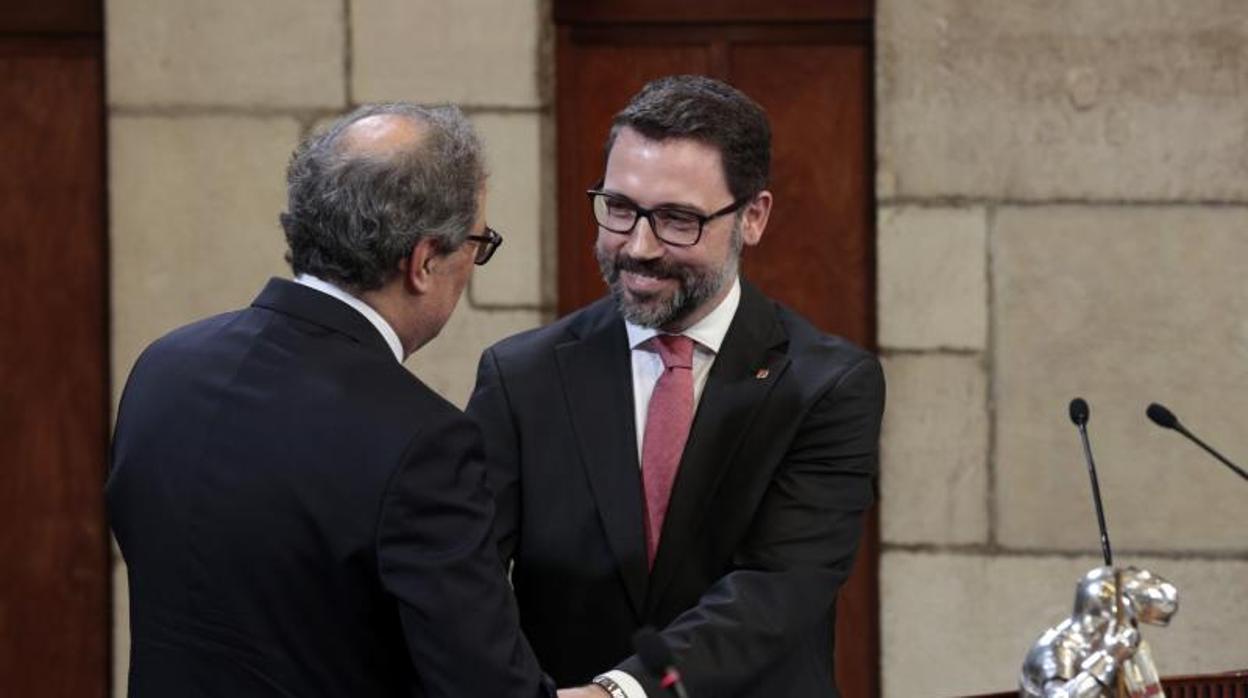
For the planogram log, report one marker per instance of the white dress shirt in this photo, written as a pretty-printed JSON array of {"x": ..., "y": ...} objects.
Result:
[
  {"x": 707, "y": 335},
  {"x": 374, "y": 317}
]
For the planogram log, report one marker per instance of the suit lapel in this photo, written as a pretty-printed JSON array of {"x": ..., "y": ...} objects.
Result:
[
  {"x": 751, "y": 360},
  {"x": 596, "y": 375}
]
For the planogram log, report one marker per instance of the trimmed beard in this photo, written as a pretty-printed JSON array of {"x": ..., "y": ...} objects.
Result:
[{"x": 695, "y": 287}]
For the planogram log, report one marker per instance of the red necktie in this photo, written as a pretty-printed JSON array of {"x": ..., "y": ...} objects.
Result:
[{"x": 668, "y": 418}]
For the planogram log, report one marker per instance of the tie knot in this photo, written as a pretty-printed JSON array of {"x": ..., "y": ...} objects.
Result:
[{"x": 676, "y": 350}]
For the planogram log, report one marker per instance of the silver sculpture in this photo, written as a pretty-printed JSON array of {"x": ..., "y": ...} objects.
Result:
[{"x": 1087, "y": 654}]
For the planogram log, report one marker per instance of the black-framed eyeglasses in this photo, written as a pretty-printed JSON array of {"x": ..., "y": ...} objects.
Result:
[
  {"x": 486, "y": 245},
  {"x": 674, "y": 226}
]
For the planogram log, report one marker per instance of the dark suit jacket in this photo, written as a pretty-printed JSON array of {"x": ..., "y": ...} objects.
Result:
[
  {"x": 303, "y": 517},
  {"x": 765, "y": 515}
]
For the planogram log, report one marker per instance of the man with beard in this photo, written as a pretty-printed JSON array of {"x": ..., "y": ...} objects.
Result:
[{"x": 685, "y": 453}]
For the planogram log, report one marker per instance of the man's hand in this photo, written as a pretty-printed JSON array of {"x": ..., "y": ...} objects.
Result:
[{"x": 590, "y": 691}]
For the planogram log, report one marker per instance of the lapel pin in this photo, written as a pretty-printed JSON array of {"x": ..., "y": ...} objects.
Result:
[{"x": 762, "y": 373}]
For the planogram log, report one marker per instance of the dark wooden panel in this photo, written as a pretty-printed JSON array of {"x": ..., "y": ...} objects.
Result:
[
  {"x": 54, "y": 591},
  {"x": 851, "y": 33},
  {"x": 67, "y": 46},
  {"x": 816, "y": 253},
  {"x": 612, "y": 11},
  {"x": 51, "y": 17}
]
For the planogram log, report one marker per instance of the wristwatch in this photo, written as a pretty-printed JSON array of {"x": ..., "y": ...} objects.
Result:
[{"x": 610, "y": 687}]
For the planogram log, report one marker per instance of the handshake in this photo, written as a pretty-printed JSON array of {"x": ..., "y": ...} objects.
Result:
[{"x": 655, "y": 656}]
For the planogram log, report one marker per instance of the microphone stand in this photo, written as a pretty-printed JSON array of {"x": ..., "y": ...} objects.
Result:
[
  {"x": 1239, "y": 471},
  {"x": 1079, "y": 414}
]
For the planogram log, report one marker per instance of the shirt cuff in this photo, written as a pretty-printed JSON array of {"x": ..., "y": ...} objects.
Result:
[{"x": 625, "y": 682}]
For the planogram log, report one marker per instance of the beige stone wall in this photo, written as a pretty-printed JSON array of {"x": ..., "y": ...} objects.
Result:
[
  {"x": 1063, "y": 211},
  {"x": 206, "y": 100}
]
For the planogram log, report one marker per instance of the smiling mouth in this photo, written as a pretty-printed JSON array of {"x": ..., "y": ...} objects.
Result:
[{"x": 642, "y": 282}]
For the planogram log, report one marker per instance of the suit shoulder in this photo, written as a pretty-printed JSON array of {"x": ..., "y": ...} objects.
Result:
[
  {"x": 389, "y": 393},
  {"x": 813, "y": 350},
  {"x": 194, "y": 332},
  {"x": 183, "y": 343},
  {"x": 371, "y": 382},
  {"x": 428, "y": 402}
]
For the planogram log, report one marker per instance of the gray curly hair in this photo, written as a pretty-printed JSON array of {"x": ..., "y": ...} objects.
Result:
[{"x": 351, "y": 217}]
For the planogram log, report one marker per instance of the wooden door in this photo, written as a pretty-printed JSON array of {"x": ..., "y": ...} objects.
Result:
[
  {"x": 809, "y": 65},
  {"x": 54, "y": 587}
]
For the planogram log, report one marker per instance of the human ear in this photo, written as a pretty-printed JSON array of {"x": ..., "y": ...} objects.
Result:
[
  {"x": 421, "y": 265},
  {"x": 754, "y": 218}
]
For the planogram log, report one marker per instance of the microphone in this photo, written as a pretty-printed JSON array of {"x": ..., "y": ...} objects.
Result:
[
  {"x": 1163, "y": 417},
  {"x": 657, "y": 657},
  {"x": 1079, "y": 414}
]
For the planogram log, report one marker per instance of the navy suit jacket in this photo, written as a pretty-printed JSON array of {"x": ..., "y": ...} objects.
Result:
[
  {"x": 303, "y": 517},
  {"x": 765, "y": 515}
]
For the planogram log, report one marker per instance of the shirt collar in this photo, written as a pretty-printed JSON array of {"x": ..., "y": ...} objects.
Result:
[
  {"x": 374, "y": 317},
  {"x": 709, "y": 332}
]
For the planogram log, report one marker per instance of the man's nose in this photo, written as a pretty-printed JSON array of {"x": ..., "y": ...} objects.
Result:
[{"x": 642, "y": 242}]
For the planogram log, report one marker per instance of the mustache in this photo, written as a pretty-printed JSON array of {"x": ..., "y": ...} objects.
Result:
[{"x": 657, "y": 268}]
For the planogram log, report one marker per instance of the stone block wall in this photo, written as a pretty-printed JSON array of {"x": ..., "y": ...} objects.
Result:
[
  {"x": 206, "y": 100},
  {"x": 1063, "y": 211}
]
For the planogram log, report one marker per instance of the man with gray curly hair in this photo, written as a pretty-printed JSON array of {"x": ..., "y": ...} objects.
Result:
[{"x": 300, "y": 515}]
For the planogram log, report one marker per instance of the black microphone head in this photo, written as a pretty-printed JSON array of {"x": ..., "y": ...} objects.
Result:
[
  {"x": 653, "y": 651},
  {"x": 1079, "y": 411},
  {"x": 1161, "y": 416}
]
